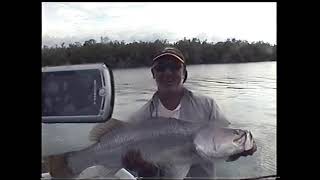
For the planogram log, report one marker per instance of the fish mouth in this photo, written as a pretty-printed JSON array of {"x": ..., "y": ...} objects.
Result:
[{"x": 239, "y": 138}]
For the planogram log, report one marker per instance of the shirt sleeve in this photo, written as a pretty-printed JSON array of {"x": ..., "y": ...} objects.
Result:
[
  {"x": 207, "y": 169},
  {"x": 141, "y": 114},
  {"x": 217, "y": 115}
]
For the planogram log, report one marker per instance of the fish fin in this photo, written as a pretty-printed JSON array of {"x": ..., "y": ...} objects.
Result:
[{"x": 103, "y": 128}]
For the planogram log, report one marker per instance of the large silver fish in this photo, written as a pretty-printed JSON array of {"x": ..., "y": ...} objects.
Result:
[{"x": 160, "y": 140}]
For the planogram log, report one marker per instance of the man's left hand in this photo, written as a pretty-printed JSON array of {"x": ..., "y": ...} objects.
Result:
[
  {"x": 133, "y": 161},
  {"x": 244, "y": 153}
]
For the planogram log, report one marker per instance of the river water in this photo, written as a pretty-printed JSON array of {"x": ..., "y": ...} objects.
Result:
[{"x": 246, "y": 93}]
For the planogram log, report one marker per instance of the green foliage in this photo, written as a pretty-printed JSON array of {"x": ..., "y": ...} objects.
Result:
[{"x": 124, "y": 55}]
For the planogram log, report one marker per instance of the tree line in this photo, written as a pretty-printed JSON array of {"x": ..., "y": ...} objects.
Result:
[{"x": 137, "y": 54}]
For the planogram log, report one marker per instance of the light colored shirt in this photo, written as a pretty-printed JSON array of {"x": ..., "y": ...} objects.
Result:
[{"x": 164, "y": 112}]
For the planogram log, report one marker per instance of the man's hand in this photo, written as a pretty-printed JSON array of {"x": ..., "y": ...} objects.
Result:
[
  {"x": 58, "y": 167},
  {"x": 244, "y": 153},
  {"x": 133, "y": 161}
]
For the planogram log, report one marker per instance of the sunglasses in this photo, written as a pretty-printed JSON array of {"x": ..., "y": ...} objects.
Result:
[{"x": 161, "y": 67}]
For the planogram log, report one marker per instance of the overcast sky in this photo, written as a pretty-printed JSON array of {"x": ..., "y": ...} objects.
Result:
[{"x": 71, "y": 22}]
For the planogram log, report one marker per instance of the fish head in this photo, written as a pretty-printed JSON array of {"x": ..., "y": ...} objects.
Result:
[{"x": 213, "y": 143}]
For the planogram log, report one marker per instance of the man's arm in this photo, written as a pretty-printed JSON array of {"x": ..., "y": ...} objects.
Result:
[
  {"x": 133, "y": 161},
  {"x": 244, "y": 153},
  {"x": 217, "y": 116},
  {"x": 221, "y": 120}
]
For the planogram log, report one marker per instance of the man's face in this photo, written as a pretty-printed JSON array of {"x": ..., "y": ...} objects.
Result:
[{"x": 169, "y": 74}]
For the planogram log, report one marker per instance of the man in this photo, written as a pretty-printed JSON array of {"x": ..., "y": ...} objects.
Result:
[{"x": 171, "y": 99}]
